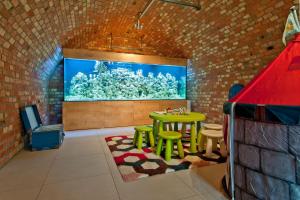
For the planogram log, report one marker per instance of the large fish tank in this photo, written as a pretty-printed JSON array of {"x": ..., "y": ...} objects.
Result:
[{"x": 95, "y": 80}]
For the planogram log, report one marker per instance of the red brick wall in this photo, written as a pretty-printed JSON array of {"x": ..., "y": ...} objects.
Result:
[
  {"x": 26, "y": 60},
  {"x": 237, "y": 39},
  {"x": 56, "y": 95}
]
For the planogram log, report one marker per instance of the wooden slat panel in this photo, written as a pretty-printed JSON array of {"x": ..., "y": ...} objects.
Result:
[
  {"x": 171, "y": 104},
  {"x": 118, "y": 113},
  {"x": 142, "y": 110},
  {"x": 92, "y": 115}
]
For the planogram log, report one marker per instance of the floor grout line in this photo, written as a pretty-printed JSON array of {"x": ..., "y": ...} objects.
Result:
[
  {"x": 57, "y": 158},
  {"x": 43, "y": 184},
  {"x": 110, "y": 170},
  {"x": 78, "y": 156}
]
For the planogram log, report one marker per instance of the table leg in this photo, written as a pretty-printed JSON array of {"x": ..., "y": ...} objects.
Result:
[
  {"x": 176, "y": 126},
  {"x": 183, "y": 128},
  {"x": 170, "y": 127},
  {"x": 198, "y": 126},
  {"x": 155, "y": 130},
  {"x": 165, "y": 127},
  {"x": 161, "y": 127},
  {"x": 193, "y": 148}
]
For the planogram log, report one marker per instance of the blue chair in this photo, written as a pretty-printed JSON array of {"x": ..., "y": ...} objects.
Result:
[{"x": 41, "y": 137}]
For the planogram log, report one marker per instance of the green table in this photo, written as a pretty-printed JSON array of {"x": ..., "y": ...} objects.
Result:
[{"x": 193, "y": 118}]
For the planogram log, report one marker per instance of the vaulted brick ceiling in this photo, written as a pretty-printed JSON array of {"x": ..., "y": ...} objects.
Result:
[
  {"x": 35, "y": 29},
  {"x": 102, "y": 22}
]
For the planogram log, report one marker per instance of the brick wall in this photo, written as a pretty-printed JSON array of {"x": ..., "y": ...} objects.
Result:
[
  {"x": 27, "y": 59},
  {"x": 267, "y": 164},
  {"x": 236, "y": 39},
  {"x": 56, "y": 95}
]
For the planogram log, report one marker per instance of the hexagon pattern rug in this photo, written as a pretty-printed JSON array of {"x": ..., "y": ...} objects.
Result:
[{"x": 134, "y": 164}]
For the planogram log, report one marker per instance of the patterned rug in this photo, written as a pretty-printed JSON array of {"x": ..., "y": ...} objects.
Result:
[{"x": 134, "y": 164}]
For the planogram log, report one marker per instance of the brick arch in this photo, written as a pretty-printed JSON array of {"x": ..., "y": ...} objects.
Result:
[
  {"x": 158, "y": 34},
  {"x": 94, "y": 37}
]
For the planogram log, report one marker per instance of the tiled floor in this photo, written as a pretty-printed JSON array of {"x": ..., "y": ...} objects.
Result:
[{"x": 83, "y": 168}]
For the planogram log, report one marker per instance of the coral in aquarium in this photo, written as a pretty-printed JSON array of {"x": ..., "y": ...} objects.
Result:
[{"x": 123, "y": 83}]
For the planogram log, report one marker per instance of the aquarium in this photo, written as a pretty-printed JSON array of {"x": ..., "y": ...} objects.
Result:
[{"x": 93, "y": 80}]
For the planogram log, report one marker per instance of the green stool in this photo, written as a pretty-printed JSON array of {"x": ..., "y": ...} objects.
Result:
[
  {"x": 138, "y": 136},
  {"x": 170, "y": 137}
]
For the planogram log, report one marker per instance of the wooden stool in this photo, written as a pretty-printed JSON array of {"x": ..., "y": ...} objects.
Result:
[
  {"x": 212, "y": 138},
  {"x": 138, "y": 136},
  {"x": 201, "y": 138},
  {"x": 216, "y": 127},
  {"x": 170, "y": 137}
]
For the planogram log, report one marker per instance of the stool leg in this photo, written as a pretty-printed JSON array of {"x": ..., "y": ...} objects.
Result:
[
  {"x": 168, "y": 150},
  {"x": 159, "y": 146},
  {"x": 151, "y": 138},
  {"x": 202, "y": 143},
  {"x": 140, "y": 140},
  {"x": 134, "y": 138},
  {"x": 172, "y": 147},
  {"x": 200, "y": 140},
  {"x": 209, "y": 147},
  {"x": 180, "y": 149},
  {"x": 214, "y": 144},
  {"x": 146, "y": 138}
]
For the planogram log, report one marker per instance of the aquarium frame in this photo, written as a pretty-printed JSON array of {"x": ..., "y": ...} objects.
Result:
[
  {"x": 96, "y": 100},
  {"x": 122, "y": 57}
]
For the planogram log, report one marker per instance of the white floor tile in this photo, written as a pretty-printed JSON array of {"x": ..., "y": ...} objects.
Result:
[
  {"x": 164, "y": 187},
  {"x": 77, "y": 167},
  {"x": 82, "y": 146},
  {"x": 98, "y": 187},
  {"x": 24, "y": 194},
  {"x": 28, "y": 178},
  {"x": 26, "y": 160}
]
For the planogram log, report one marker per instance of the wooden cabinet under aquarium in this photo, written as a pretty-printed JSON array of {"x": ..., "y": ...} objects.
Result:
[{"x": 105, "y": 114}]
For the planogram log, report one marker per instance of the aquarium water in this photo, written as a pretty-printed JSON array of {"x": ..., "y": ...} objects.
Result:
[{"x": 92, "y": 80}]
